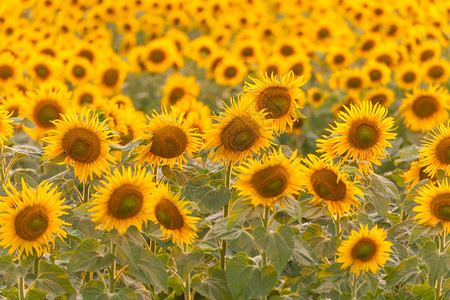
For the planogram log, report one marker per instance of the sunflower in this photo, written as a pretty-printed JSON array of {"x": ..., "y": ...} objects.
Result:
[
  {"x": 300, "y": 65},
  {"x": 78, "y": 70},
  {"x": 297, "y": 127},
  {"x": 6, "y": 129},
  {"x": 167, "y": 138},
  {"x": 160, "y": 55},
  {"x": 12, "y": 100},
  {"x": 45, "y": 105},
  {"x": 381, "y": 95},
  {"x": 111, "y": 75},
  {"x": 365, "y": 250},
  {"x": 428, "y": 50},
  {"x": 362, "y": 137},
  {"x": 338, "y": 57},
  {"x": 408, "y": 76},
  {"x": 277, "y": 98},
  {"x": 196, "y": 113},
  {"x": 352, "y": 98},
  {"x": 435, "y": 154},
  {"x": 353, "y": 80},
  {"x": 377, "y": 73},
  {"x": 316, "y": 97},
  {"x": 424, "y": 109},
  {"x": 9, "y": 67},
  {"x": 386, "y": 54},
  {"x": 416, "y": 173},
  {"x": 43, "y": 68},
  {"x": 249, "y": 50},
  {"x": 368, "y": 43},
  {"x": 269, "y": 180},
  {"x": 123, "y": 199},
  {"x": 230, "y": 71},
  {"x": 434, "y": 204},
  {"x": 273, "y": 65},
  {"x": 86, "y": 95},
  {"x": 328, "y": 184},
  {"x": 240, "y": 132},
  {"x": 436, "y": 71},
  {"x": 128, "y": 123},
  {"x": 178, "y": 88},
  {"x": 82, "y": 141},
  {"x": 287, "y": 46},
  {"x": 201, "y": 48},
  {"x": 167, "y": 210},
  {"x": 32, "y": 220},
  {"x": 136, "y": 58}
]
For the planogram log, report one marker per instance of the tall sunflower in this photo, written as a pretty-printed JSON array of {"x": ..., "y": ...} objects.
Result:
[
  {"x": 365, "y": 250},
  {"x": 81, "y": 141},
  {"x": 423, "y": 109},
  {"x": 278, "y": 99},
  {"x": 240, "y": 132},
  {"x": 6, "y": 129},
  {"x": 123, "y": 200},
  {"x": 270, "y": 179},
  {"x": 167, "y": 138},
  {"x": 31, "y": 221},
  {"x": 178, "y": 88},
  {"x": 328, "y": 184},
  {"x": 434, "y": 204},
  {"x": 435, "y": 155},
  {"x": 168, "y": 210},
  {"x": 362, "y": 137}
]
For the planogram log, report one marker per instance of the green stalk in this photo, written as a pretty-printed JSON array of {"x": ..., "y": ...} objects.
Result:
[
  {"x": 112, "y": 270},
  {"x": 442, "y": 246},
  {"x": 354, "y": 286},
  {"x": 187, "y": 292},
  {"x": 266, "y": 227},
  {"x": 86, "y": 186},
  {"x": 223, "y": 249},
  {"x": 155, "y": 172},
  {"x": 36, "y": 264},
  {"x": 21, "y": 284}
]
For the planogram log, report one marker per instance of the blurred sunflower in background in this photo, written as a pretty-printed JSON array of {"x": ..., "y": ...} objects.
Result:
[
  {"x": 435, "y": 154},
  {"x": 416, "y": 173},
  {"x": 6, "y": 128},
  {"x": 179, "y": 87}
]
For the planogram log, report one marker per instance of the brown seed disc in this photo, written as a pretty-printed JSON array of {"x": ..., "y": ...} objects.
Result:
[
  {"x": 297, "y": 69},
  {"x": 110, "y": 77},
  {"x": 81, "y": 145},
  {"x": 168, "y": 214},
  {"x": 436, "y": 72},
  {"x": 323, "y": 33},
  {"x": 42, "y": 71},
  {"x": 125, "y": 202},
  {"x": 363, "y": 134},
  {"x": 240, "y": 134},
  {"x": 364, "y": 250},
  {"x": 409, "y": 77},
  {"x": 157, "y": 56},
  {"x": 354, "y": 82},
  {"x": 326, "y": 186},
  {"x": 275, "y": 100},
  {"x": 86, "y": 99},
  {"x": 443, "y": 151},
  {"x": 46, "y": 111},
  {"x": 176, "y": 94},
  {"x": 230, "y": 72},
  {"x": 375, "y": 75},
  {"x": 338, "y": 59},
  {"x": 426, "y": 55},
  {"x": 287, "y": 50},
  {"x": 317, "y": 96},
  {"x": 272, "y": 70},
  {"x": 78, "y": 71},
  {"x": 270, "y": 182},
  {"x": 368, "y": 45},
  {"x": 378, "y": 98},
  {"x": 169, "y": 142},
  {"x": 440, "y": 206},
  {"x": 31, "y": 223},
  {"x": 425, "y": 106},
  {"x": 204, "y": 51},
  {"x": 6, "y": 72},
  {"x": 386, "y": 59},
  {"x": 247, "y": 52},
  {"x": 86, "y": 54}
]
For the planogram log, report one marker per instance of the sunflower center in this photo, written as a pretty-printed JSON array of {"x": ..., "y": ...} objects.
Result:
[
  {"x": 125, "y": 202},
  {"x": 440, "y": 206},
  {"x": 272, "y": 70},
  {"x": 247, "y": 52},
  {"x": 436, "y": 72},
  {"x": 443, "y": 151},
  {"x": 86, "y": 54},
  {"x": 270, "y": 182},
  {"x": 326, "y": 186},
  {"x": 364, "y": 250},
  {"x": 86, "y": 99},
  {"x": 157, "y": 55},
  {"x": 169, "y": 142},
  {"x": 354, "y": 82},
  {"x": 31, "y": 223},
  {"x": 425, "y": 106},
  {"x": 81, "y": 145},
  {"x": 176, "y": 94},
  {"x": 204, "y": 51},
  {"x": 230, "y": 72},
  {"x": 168, "y": 215},
  {"x": 423, "y": 175},
  {"x": 368, "y": 45},
  {"x": 78, "y": 71},
  {"x": 276, "y": 101},
  {"x": 386, "y": 59},
  {"x": 375, "y": 75},
  {"x": 409, "y": 77},
  {"x": 110, "y": 77},
  {"x": 316, "y": 96},
  {"x": 45, "y": 112},
  {"x": 298, "y": 69},
  {"x": 42, "y": 71},
  {"x": 363, "y": 135},
  {"x": 378, "y": 98},
  {"x": 426, "y": 55},
  {"x": 6, "y": 72},
  {"x": 287, "y": 50},
  {"x": 240, "y": 134},
  {"x": 323, "y": 33},
  {"x": 339, "y": 59}
]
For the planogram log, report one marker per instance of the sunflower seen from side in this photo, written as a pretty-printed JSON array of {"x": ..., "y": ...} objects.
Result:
[
  {"x": 31, "y": 222},
  {"x": 81, "y": 141},
  {"x": 433, "y": 204},
  {"x": 435, "y": 154},
  {"x": 365, "y": 250},
  {"x": 170, "y": 213},
  {"x": 167, "y": 138},
  {"x": 416, "y": 173},
  {"x": 123, "y": 199},
  {"x": 277, "y": 98},
  {"x": 270, "y": 179},
  {"x": 239, "y": 133},
  {"x": 6, "y": 128}
]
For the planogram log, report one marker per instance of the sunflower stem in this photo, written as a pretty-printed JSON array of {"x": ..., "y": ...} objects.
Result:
[
  {"x": 437, "y": 289},
  {"x": 21, "y": 284},
  {"x": 223, "y": 249},
  {"x": 354, "y": 286},
  {"x": 337, "y": 226},
  {"x": 112, "y": 270},
  {"x": 187, "y": 291},
  {"x": 153, "y": 246},
  {"x": 36, "y": 264},
  {"x": 266, "y": 226},
  {"x": 86, "y": 185},
  {"x": 155, "y": 172}
]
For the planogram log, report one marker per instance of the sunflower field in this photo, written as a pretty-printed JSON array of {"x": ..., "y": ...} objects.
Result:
[{"x": 224, "y": 149}]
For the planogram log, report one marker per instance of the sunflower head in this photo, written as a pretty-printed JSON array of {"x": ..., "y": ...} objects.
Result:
[{"x": 435, "y": 155}]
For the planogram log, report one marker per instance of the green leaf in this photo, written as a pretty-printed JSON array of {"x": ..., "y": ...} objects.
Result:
[
  {"x": 277, "y": 245},
  {"x": 438, "y": 263},
  {"x": 27, "y": 150},
  {"x": 130, "y": 245},
  {"x": 137, "y": 287},
  {"x": 34, "y": 294},
  {"x": 380, "y": 191},
  {"x": 221, "y": 231},
  {"x": 87, "y": 258},
  {"x": 214, "y": 286},
  {"x": 423, "y": 291},
  {"x": 407, "y": 271},
  {"x": 96, "y": 290},
  {"x": 303, "y": 253},
  {"x": 23, "y": 121},
  {"x": 150, "y": 270},
  {"x": 174, "y": 175},
  {"x": 246, "y": 280},
  {"x": 240, "y": 211},
  {"x": 5, "y": 261},
  {"x": 401, "y": 231},
  {"x": 216, "y": 198},
  {"x": 185, "y": 262},
  {"x": 53, "y": 280}
]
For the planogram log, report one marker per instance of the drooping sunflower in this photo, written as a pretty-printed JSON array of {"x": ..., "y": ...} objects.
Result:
[
  {"x": 381, "y": 95},
  {"x": 365, "y": 250},
  {"x": 362, "y": 137},
  {"x": 436, "y": 71},
  {"x": 6, "y": 129},
  {"x": 167, "y": 137},
  {"x": 435, "y": 154},
  {"x": 416, "y": 173},
  {"x": 179, "y": 87},
  {"x": 30, "y": 221},
  {"x": 316, "y": 97},
  {"x": 270, "y": 179},
  {"x": 408, "y": 76},
  {"x": 424, "y": 109},
  {"x": 434, "y": 204},
  {"x": 81, "y": 141},
  {"x": 123, "y": 199},
  {"x": 277, "y": 98},
  {"x": 328, "y": 184},
  {"x": 239, "y": 133},
  {"x": 169, "y": 211}
]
